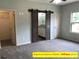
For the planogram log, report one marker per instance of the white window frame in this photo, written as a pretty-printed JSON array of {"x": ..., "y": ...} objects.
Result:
[{"x": 72, "y": 23}]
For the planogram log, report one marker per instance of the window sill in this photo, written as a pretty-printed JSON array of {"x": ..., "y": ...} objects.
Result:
[{"x": 74, "y": 33}]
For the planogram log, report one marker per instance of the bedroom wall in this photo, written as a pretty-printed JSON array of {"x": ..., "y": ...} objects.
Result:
[
  {"x": 23, "y": 18},
  {"x": 66, "y": 14}
]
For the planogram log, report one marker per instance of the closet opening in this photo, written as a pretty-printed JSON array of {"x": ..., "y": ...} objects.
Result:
[{"x": 7, "y": 28}]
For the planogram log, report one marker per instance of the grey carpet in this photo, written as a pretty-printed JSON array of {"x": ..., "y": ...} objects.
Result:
[{"x": 24, "y": 52}]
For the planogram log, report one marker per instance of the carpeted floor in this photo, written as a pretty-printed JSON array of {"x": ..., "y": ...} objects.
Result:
[{"x": 25, "y": 51}]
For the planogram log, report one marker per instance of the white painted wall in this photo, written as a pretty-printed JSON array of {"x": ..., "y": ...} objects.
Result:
[
  {"x": 53, "y": 27},
  {"x": 23, "y": 17},
  {"x": 66, "y": 16}
]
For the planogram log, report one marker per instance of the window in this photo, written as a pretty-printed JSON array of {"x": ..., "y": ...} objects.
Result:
[{"x": 75, "y": 22}]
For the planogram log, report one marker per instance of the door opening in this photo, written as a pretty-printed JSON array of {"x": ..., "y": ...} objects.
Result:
[{"x": 7, "y": 28}]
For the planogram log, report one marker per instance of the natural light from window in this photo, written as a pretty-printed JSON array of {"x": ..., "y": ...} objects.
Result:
[{"x": 75, "y": 22}]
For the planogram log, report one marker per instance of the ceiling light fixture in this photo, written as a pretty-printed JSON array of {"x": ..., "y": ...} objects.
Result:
[{"x": 57, "y": 1}]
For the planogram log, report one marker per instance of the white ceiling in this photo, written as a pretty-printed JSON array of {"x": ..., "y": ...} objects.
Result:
[{"x": 62, "y": 3}]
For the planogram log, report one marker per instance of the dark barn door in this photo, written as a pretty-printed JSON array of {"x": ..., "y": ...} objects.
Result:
[
  {"x": 34, "y": 24},
  {"x": 47, "y": 29}
]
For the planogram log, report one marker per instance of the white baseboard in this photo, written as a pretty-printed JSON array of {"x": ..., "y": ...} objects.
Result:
[{"x": 23, "y": 43}]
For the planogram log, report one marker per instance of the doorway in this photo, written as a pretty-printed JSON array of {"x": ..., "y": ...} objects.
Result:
[
  {"x": 40, "y": 25},
  {"x": 7, "y": 28}
]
